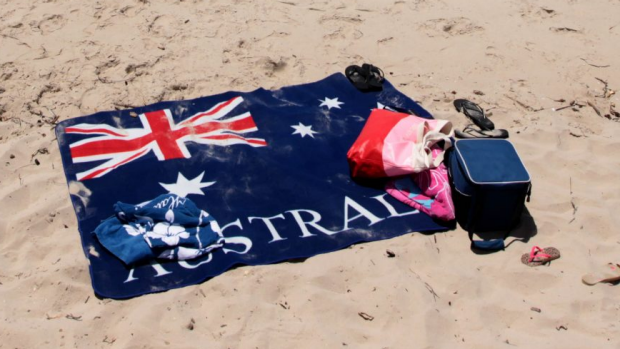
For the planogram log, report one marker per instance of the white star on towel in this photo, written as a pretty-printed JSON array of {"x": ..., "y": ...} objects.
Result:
[
  {"x": 330, "y": 103},
  {"x": 303, "y": 130},
  {"x": 380, "y": 106},
  {"x": 184, "y": 187}
]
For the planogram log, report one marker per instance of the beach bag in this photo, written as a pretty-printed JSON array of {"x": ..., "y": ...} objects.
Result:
[
  {"x": 394, "y": 144},
  {"x": 490, "y": 186}
]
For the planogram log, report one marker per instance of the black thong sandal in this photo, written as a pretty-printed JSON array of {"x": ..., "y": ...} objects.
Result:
[
  {"x": 475, "y": 113},
  {"x": 365, "y": 78},
  {"x": 471, "y": 132}
]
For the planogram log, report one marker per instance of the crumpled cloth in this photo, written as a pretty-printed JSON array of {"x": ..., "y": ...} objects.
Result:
[
  {"x": 428, "y": 191},
  {"x": 167, "y": 227}
]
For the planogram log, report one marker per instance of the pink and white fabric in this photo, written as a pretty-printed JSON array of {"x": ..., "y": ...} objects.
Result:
[
  {"x": 428, "y": 191},
  {"x": 394, "y": 144}
]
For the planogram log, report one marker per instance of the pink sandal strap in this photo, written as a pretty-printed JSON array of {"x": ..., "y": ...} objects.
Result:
[{"x": 537, "y": 253}]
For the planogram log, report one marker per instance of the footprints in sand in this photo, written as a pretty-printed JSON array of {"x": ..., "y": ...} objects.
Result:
[
  {"x": 443, "y": 27},
  {"x": 564, "y": 30},
  {"x": 165, "y": 26},
  {"x": 344, "y": 33},
  {"x": 342, "y": 27},
  {"x": 49, "y": 24},
  {"x": 272, "y": 66},
  {"x": 113, "y": 70},
  {"x": 535, "y": 13},
  {"x": 400, "y": 6},
  {"x": 7, "y": 70},
  {"x": 540, "y": 14},
  {"x": 338, "y": 18}
]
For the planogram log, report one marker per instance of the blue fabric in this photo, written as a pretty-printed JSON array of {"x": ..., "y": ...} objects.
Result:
[
  {"x": 279, "y": 188},
  {"x": 167, "y": 227},
  {"x": 488, "y": 245}
]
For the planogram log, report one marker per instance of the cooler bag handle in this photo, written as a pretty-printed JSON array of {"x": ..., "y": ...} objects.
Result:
[{"x": 488, "y": 245}]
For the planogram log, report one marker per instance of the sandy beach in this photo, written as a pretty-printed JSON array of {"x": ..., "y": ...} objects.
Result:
[{"x": 546, "y": 71}]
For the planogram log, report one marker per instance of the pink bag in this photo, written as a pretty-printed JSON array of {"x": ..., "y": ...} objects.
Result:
[{"x": 393, "y": 144}]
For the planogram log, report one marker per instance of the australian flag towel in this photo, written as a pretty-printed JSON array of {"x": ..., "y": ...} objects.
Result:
[
  {"x": 167, "y": 227},
  {"x": 269, "y": 165}
]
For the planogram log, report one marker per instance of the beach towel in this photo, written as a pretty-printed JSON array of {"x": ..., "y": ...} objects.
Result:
[{"x": 269, "y": 166}]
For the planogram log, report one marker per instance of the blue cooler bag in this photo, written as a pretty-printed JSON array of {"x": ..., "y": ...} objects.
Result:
[{"x": 490, "y": 186}]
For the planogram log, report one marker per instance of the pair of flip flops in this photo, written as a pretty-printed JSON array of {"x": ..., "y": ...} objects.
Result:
[
  {"x": 476, "y": 114},
  {"x": 539, "y": 256},
  {"x": 609, "y": 273},
  {"x": 365, "y": 78}
]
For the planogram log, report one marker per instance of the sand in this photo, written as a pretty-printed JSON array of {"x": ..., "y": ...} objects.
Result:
[{"x": 517, "y": 59}]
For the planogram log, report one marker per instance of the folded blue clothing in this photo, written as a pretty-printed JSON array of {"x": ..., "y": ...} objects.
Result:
[{"x": 167, "y": 227}]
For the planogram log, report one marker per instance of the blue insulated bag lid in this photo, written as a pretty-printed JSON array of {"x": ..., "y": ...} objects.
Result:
[{"x": 487, "y": 161}]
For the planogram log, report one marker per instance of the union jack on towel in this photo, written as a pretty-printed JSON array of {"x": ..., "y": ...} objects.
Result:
[{"x": 161, "y": 135}]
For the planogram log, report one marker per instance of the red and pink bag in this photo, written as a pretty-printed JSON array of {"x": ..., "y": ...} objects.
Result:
[{"x": 393, "y": 144}]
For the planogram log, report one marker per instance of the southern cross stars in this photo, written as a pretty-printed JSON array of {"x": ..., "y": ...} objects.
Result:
[
  {"x": 184, "y": 187},
  {"x": 330, "y": 103},
  {"x": 303, "y": 130}
]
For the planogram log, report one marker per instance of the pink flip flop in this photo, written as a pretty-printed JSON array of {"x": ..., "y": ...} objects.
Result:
[{"x": 539, "y": 256}]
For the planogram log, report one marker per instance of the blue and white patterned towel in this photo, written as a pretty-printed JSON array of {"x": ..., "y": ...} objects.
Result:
[{"x": 168, "y": 227}]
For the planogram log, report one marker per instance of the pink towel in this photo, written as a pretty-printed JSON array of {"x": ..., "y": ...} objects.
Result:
[{"x": 428, "y": 191}]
